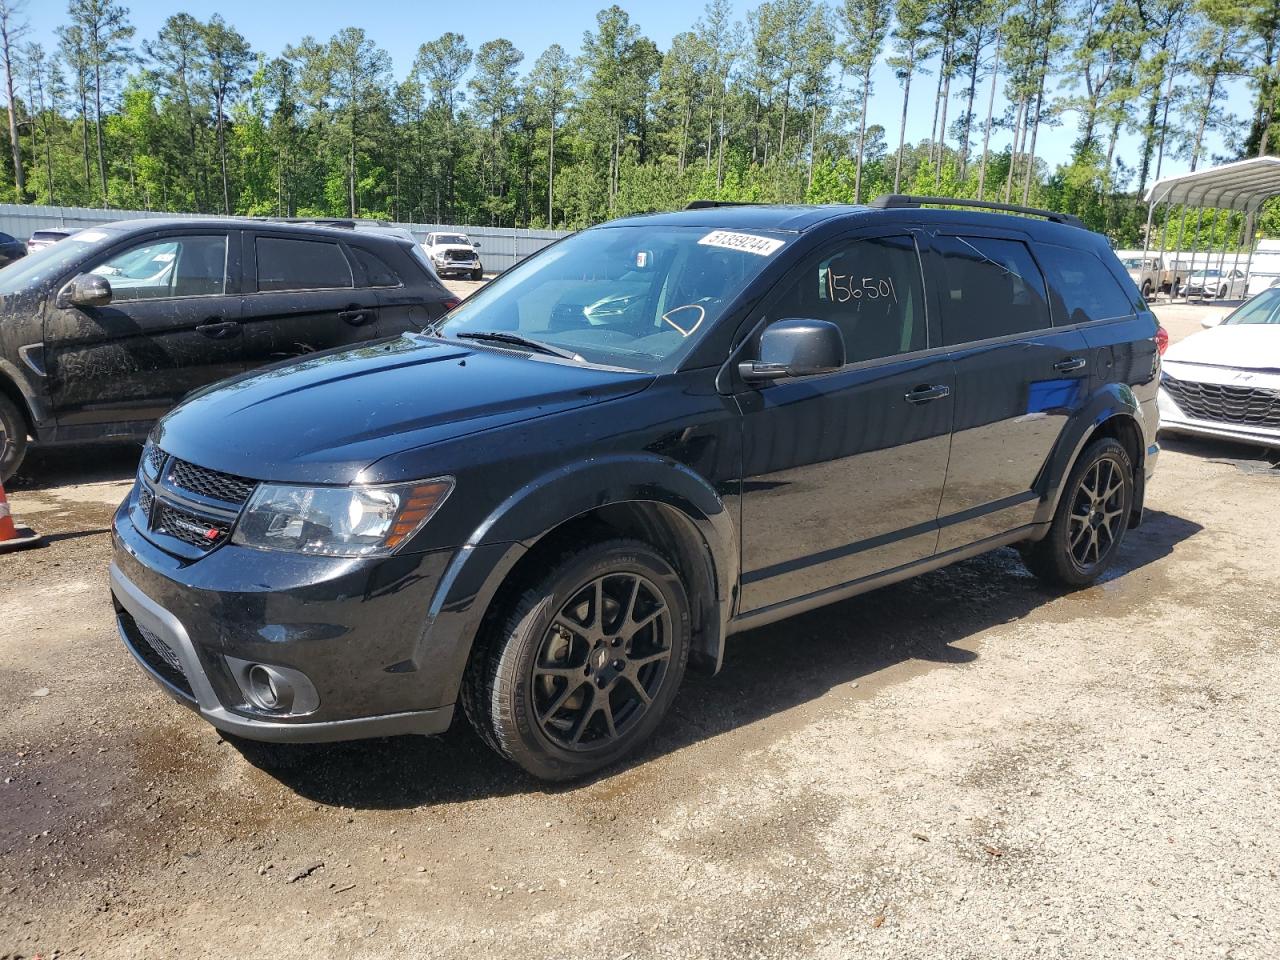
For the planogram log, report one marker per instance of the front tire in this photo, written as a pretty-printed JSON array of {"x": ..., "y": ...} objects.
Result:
[
  {"x": 585, "y": 663},
  {"x": 1091, "y": 519},
  {"x": 1146, "y": 291},
  {"x": 1222, "y": 292},
  {"x": 13, "y": 438},
  {"x": 477, "y": 274}
]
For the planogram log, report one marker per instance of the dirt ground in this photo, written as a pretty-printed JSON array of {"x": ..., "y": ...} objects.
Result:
[{"x": 966, "y": 765}]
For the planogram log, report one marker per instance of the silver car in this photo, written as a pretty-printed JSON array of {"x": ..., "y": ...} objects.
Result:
[{"x": 1216, "y": 284}]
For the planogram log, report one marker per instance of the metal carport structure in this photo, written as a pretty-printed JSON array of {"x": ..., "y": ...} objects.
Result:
[{"x": 1240, "y": 187}]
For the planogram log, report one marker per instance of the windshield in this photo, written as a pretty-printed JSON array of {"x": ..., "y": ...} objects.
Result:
[
  {"x": 45, "y": 263},
  {"x": 452, "y": 238},
  {"x": 1264, "y": 308},
  {"x": 636, "y": 297},
  {"x": 1134, "y": 263},
  {"x": 1208, "y": 273}
]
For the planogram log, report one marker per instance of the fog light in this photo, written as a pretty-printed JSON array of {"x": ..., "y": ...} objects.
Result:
[{"x": 268, "y": 689}]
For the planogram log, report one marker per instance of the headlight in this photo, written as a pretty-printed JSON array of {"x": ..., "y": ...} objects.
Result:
[{"x": 339, "y": 521}]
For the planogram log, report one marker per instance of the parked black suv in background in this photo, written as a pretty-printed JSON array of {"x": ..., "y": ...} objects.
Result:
[
  {"x": 105, "y": 331},
  {"x": 651, "y": 435}
]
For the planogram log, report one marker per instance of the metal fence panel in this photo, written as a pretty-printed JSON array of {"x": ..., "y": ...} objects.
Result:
[{"x": 500, "y": 247}]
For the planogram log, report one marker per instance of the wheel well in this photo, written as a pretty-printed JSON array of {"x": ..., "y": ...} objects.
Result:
[
  {"x": 10, "y": 389},
  {"x": 1126, "y": 431},
  {"x": 664, "y": 528}
]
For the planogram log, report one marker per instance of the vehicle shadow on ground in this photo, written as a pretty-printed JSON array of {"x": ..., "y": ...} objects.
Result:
[
  {"x": 1247, "y": 457},
  {"x": 766, "y": 671},
  {"x": 56, "y": 467}
]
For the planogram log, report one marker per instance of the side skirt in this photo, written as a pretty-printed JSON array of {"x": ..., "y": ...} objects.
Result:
[{"x": 820, "y": 598}]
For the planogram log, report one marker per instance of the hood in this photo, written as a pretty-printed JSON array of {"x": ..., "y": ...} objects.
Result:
[
  {"x": 325, "y": 418},
  {"x": 1253, "y": 346}
]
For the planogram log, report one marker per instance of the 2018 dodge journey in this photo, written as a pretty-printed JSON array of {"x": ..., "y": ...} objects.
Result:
[{"x": 649, "y": 436}]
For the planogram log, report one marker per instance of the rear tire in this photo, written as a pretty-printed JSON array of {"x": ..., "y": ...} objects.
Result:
[
  {"x": 13, "y": 438},
  {"x": 1090, "y": 522},
  {"x": 584, "y": 664}
]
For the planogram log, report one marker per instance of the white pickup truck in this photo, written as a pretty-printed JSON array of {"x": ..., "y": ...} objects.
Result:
[
  {"x": 1152, "y": 274},
  {"x": 454, "y": 255}
]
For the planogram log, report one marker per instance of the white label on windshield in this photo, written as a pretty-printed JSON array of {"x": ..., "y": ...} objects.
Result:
[
  {"x": 163, "y": 257},
  {"x": 746, "y": 242},
  {"x": 88, "y": 236}
]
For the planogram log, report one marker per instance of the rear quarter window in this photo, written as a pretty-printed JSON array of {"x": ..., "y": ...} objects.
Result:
[
  {"x": 377, "y": 272},
  {"x": 1081, "y": 286}
]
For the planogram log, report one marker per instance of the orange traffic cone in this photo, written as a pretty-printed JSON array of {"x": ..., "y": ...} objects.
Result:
[{"x": 12, "y": 536}]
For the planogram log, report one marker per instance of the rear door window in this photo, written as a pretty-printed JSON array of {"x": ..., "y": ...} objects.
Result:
[
  {"x": 287, "y": 264},
  {"x": 990, "y": 287},
  {"x": 1081, "y": 286}
]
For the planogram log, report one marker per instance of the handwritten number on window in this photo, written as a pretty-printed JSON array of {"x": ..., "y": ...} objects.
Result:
[{"x": 840, "y": 288}]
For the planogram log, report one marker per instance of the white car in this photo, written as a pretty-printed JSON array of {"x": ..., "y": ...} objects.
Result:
[
  {"x": 48, "y": 237},
  {"x": 453, "y": 255},
  {"x": 1215, "y": 284},
  {"x": 1225, "y": 381}
]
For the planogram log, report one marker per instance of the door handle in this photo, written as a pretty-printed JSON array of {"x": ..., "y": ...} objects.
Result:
[
  {"x": 1071, "y": 363},
  {"x": 927, "y": 392},
  {"x": 219, "y": 329},
  {"x": 355, "y": 316}
]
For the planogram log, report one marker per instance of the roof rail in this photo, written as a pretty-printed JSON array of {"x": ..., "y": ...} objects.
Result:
[
  {"x": 708, "y": 204},
  {"x": 894, "y": 201}
]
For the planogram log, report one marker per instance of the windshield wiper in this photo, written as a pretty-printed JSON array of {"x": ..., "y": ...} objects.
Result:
[{"x": 515, "y": 339}]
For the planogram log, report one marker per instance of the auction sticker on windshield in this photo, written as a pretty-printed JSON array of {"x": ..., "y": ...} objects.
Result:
[{"x": 746, "y": 242}]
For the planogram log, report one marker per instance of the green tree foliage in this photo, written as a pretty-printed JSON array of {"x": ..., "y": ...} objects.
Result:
[{"x": 780, "y": 106}]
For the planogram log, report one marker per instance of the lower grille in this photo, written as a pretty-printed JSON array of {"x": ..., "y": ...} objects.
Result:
[
  {"x": 1248, "y": 406},
  {"x": 187, "y": 527},
  {"x": 154, "y": 652}
]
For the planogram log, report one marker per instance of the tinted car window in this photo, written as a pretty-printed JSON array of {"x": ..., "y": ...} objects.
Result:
[
  {"x": 171, "y": 267},
  {"x": 376, "y": 271},
  {"x": 301, "y": 265},
  {"x": 990, "y": 288},
  {"x": 1082, "y": 287},
  {"x": 871, "y": 289}
]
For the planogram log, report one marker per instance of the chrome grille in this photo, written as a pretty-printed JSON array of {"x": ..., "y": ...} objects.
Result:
[
  {"x": 210, "y": 483},
  {"x": 145, "y": 500},
  {"x": 1249, "y": 406},
  {"x": 458, "y": 255},
  {"x": 197, "y": 531}
]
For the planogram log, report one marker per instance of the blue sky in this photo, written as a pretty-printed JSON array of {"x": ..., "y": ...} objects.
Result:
[{"x": 399, "y": 27}]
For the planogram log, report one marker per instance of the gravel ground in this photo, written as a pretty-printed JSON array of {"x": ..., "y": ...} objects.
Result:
[{"x": 964, "y": 765}]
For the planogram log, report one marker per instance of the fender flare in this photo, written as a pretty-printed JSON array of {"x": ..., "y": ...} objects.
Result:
[
  {"x": 32, "y": 405},
  {"x": 1113, "y": 400},
  {"x": 480, "y": 566}
]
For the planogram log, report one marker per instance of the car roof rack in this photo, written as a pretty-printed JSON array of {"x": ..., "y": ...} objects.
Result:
[
  {"x": 897, "y": 201},
  {"x": 708, "y": 204}
]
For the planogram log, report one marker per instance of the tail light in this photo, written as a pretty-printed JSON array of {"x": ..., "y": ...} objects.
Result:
[
  {"x": 451, "y": 302},
  {"x": 1162, "y": 340}
]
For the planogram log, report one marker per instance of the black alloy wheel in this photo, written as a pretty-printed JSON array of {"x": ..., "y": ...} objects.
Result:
[
  {"x": 1090, "y": 521},
  {"x": 602, "y": 661},
  {"x": 584, "y": 663},
  {"x": 1097, "y": 514}
]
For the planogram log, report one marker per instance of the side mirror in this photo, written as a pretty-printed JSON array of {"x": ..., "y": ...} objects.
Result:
[
  {"x": 796, "y": 348},
  {"x": 475, "y": 244},
  {"x": 85, "y": 290}
]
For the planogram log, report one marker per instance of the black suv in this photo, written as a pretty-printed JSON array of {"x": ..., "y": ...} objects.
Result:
[
  {"x": 105, "y": 331},
  {"x": 651, "y": 435}
]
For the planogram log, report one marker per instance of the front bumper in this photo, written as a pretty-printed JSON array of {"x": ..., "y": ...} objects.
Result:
[
  {"x": 1174, "y": 419},
  {"x": 353, "y": 629}
]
